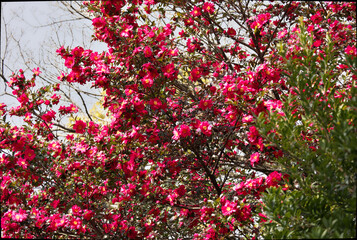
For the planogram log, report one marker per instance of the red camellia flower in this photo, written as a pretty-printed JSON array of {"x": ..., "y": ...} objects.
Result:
[
  {"x": 351, "y": 50},
  {"x": 185, "y": 131},
  {"x": 19, "y": 216},
  {"x": 98, "y": 22},
  {"x": 155, "y": 103},
  {"x": 147, "y": 51},
  {"x": 316, "y": 18},
  {"x": 205, "y": 104},
  {"x": 254, "y": 158},
  {"x": 196, "y": 11},
  {"x": 229, "y": 208},
  {"x": 188, "y": 22},
  {"x": 147, "y": 81},
  {"x": 206, "y": 128},
  {"x": 182, "y": 133},
  {"x": 23, "y": 99},
  {"x": 55, "y": 203},
  {"x": 22, "y": 163},
  {"x": 231, "y": 32},
  {"x": 93, "y": 128},
  {"x": 181, "y": 190},
  {"x": 195, "y": 74},
  {"x": 169, "y": 70},
  {"x": 252, "y": 134},
  {"x": 208, "y": 7},
  {"x": 60, "y": 222},
  {"x": 273, "y": 178},
  {"x": 88, "y": 214},
  {"x": 247, "y": 119},
  {"x": 317, "y": 43},
  {"x": 76, "y": 210},
  {"x": 69, "y": 62},
  {"x": 282, "y": 33},
  {"x": 30, "y": 154},
  {"x": 36, "y": 71},
  {"x": 76, "y": 223},
  {"x": 260, "y": 20},
  {"x": 77, "y": 51},
  {"x": 126, "y": 30},
  {"x": 176, "y": 133},
  {"x": 80, "y": 126},
  {"x": 128, "y": 91}
]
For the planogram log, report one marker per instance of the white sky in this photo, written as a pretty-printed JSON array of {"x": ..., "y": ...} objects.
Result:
[{"x": 29, "y": 26}]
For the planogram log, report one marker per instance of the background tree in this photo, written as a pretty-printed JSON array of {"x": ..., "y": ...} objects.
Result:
[
  {"x": 184, "y": 154},
  {"x": 317, "y": 130}
]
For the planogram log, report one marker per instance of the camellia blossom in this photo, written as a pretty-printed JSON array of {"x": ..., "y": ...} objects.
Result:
[
  {"x": 169, "y": 70},
  {"x": 76, "y": 223},
  {"x": 273, "y": 104},
  {"x": 76, "y": 210},
  {"x": 22, "y": 163},
  {"x": 188, "y": 22},
  {"x": 176, "y": 133},
  {"x": 206, "y": 128},
  {"x": 254, "y": 158},
  {"x": 149, "y": 2},
  {"x": 77, "y": 51},
  {"x": 80, "y": 126},
  {"x": 147, "y": 81},
  {"x": 195, "y": 74},
  {"x": 69, "y": 62},
  {"x": 36, "y": 71},
  {"x": 282, "y": 34},
  {"x": 316, "y": 18},
  {"x": 205, "y": 104},
  {"x": 196, "y": 11},
  {"x": 23, "y": 99},
  {"x": 273, "y": 178},
  {"x": 30, "y": 154},
  {"x": 19, "y": 216},
  {"x": 88, "y": 214},
  {"x": 147, "y": 51},
  {"x": 93, "y": 128},
  {"x": 231, "y": 32},
  {"x": 317, "y": 43},
  {"x": 247, "y": 119},
  {"x": 49, "y": 116},
  {"x": 60, "y": 222},
  {"x": 128, "y": 91},
  {"x": 55, "y": 203},
  {"x": 98, "y": 22},
  {"x": 208, "y": 7},
  {"x": 351, "y": 50},
  {"x": 126, "y": 32},
  {"x": 229, "y": 208},
  {"x": 260, "y": 20},
  {"x": 185, "y": 131},
  {"x": 155, "y": 103},
  {"x": 252, "y": 134}
]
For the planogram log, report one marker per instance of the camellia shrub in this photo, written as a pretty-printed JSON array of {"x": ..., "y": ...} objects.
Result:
[{"x": 225, "y": 120}]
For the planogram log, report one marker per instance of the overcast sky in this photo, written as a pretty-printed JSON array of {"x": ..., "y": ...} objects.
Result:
[
  {"x": 32, "y": 24},
  {"x": 30, "y": 34}
]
